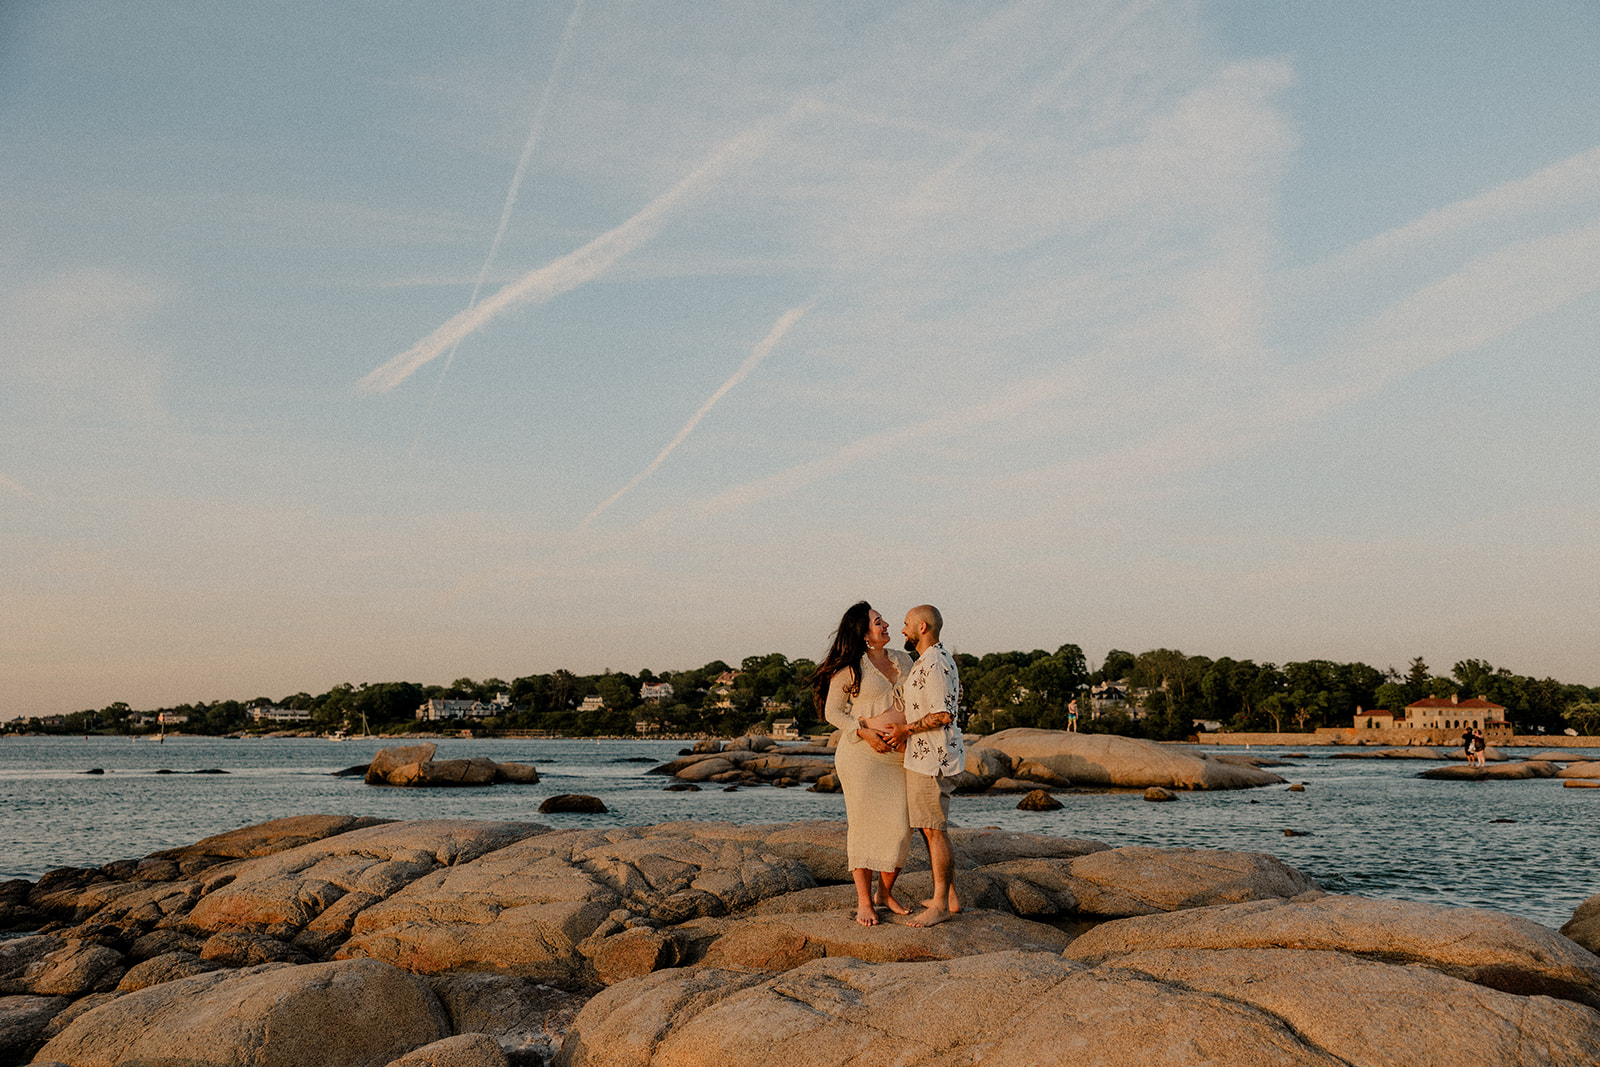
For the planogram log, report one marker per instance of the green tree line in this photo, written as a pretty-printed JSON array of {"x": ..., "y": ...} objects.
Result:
[{"x": 1173, "y": 691}]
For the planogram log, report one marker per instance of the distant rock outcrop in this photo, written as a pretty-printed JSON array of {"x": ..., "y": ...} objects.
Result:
[
  {"x": 1125, "y": 762},
  {"x": 1498, "y": 772},
  {"x": 414, "y": 765}
]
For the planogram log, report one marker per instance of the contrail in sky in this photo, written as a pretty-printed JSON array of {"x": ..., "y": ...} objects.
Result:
[
  {"x": 511, "y": 194},
  {"x": 571, "y": 270},
  {"x": 757, "y": 354}
]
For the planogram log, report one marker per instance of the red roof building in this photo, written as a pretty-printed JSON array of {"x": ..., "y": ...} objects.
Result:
[{"x": 1453, "y": 713}]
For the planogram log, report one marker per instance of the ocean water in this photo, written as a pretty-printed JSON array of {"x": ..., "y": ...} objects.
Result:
[{"x": 1370, "y": 827}]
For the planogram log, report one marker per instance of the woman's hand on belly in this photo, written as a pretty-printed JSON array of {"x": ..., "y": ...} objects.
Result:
[{"x": 880, "y": 723}]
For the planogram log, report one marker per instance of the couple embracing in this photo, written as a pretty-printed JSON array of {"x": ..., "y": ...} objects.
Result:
[{"x": 900, "y": 749}]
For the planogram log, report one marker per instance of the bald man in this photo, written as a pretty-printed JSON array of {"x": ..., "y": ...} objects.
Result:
[{"x": 935, "y": 753}]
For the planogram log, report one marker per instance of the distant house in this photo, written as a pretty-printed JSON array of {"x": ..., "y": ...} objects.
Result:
[
  {"x": 172, "y": 718},
  {"x": 1453, "y": 713},
  {"x": 772, "y": 704},
  {"x": 1113, "y": 697},
  {"x": 723, "y": 694},
  {"x": 594, "y": 703},
  {"x": 785, "y": 730},
  {"x": 655, "y": 692},
  {"x": 647, "y": 727},
  {"x": 1376, "y": 719},
  {"x": 440, "y": 709},
  {"x": 276, "y": 714}
]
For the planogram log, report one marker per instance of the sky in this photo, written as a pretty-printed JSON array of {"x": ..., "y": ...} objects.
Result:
[{"x": 363, "y": 341}]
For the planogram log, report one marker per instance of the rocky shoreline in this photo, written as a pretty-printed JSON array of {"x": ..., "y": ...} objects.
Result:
[{"x": 347, "y": 941}]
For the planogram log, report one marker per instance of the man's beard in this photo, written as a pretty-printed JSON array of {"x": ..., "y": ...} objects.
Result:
[{"x": 911, "y": 644}]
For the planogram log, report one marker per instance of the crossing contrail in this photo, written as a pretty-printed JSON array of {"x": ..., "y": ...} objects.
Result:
[
  {"x": 571, "y": 270},
  {"x": 511, "y": 197},
  {"x": 785, "y": 322}
]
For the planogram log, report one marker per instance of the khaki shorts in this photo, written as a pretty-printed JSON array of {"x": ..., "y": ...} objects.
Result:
[{"x": 928, "y": 800}]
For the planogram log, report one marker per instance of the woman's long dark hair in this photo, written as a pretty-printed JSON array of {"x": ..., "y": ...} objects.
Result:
[{"x": 849, "y": 645}]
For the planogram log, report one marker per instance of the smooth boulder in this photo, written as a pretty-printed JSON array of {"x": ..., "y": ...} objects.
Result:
[
  {"x": 1124, "y": 762},
  {"x": 360, "y": 1013}
]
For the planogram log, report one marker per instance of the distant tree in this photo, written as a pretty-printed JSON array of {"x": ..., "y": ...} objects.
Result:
[
  {"x": 1117, "y": 666},
  {"x": 1584, "y": 717}
]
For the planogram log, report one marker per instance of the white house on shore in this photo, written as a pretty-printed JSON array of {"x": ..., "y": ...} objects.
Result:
[
  {"x": 439, "y": 709},
  {"x": 277, "y": 714},
  {"x": 655, "y": 692}
]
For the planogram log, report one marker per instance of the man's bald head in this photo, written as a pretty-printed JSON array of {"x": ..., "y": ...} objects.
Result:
[{"x": 922, "y": 629}]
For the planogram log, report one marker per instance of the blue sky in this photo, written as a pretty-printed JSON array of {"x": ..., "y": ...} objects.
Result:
[{"x": 1246, "y": 328}]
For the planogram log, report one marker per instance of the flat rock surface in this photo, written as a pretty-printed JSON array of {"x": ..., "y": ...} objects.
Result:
[
  {"x": 1009, "y": 1007},
  {"x": 1498, "y": 772},
  {"x": 1488, "y": 948}
]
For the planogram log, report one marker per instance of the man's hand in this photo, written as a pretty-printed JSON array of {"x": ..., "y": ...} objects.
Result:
[{"x": 874, "y": 738}]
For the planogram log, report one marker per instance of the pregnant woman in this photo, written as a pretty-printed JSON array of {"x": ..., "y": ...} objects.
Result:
[{"x": 855, "y": 690}]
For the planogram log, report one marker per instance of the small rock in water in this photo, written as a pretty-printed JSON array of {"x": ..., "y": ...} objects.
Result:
[
  {"x": 164, "y": 770},
  {"x": 1580, "y": 783},
  {"x": 1502, "y": 820},
  {"x": 210, "y": 770},
  {"x": 683, "y": 787},
  {"x": 358, "y": 771},
  {"x": 1298, "y": 833},
  {"x": 730, "y": 789},
  {"x": 1155, "y": 792},
  {"x": 1038, "y": 800},
  {"x": 1298, "y": 787},
  {"x": 95, "y": 770},
  {"x": 573, "y": 802}
]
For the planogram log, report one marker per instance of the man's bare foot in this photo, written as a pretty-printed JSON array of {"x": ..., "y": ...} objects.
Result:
[
  {"x": 886, "y": 900},
  {"x": 931, "y": 917},
  {"x": 955, "y": 905},
  {"x": 866, "y": 915}
]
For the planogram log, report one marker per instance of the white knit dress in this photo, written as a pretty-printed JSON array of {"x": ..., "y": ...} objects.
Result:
[{"x": 874, "y": 782}]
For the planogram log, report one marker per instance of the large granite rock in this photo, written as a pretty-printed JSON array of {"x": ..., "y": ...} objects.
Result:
[
  {"x": 463, "y": 1050},
  {"x": 51, "y": 966},
  {"x": 1318, "y": 980},
  {"x": 360, "y": 1013},
  {"x": 320, "y": 888},
  {"x": 526, "y": 908},
  {"x": 22, "y": 1022},
  {"x": 781, "y": 942},
  {"x": 1486, "y": 948},
  {"x": 1581, "y": 769},
  {"x": 1003, "y": 1008},
  {"x": 1584, "y": 926},
  {"x": 1126, "y": 762},
  {"x": 262, "y": 839},
  {"x": 414, "y": 765}
]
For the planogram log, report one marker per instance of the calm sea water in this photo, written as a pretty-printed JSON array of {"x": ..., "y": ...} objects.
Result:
[{"x": 1372, "y": 827}]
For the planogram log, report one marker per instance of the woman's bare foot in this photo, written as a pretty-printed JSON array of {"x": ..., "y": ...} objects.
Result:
[
  {"x": 930, "y": 917},
  {"x": 866, "y": 915},
  {"x": 886, "y": 900}
]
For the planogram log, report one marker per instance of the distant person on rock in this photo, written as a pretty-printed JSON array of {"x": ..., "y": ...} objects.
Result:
[
  {"x": 935, "y": 753},
  {"x": 1478, "y": 747},
  {"x": 854, "y": 688}
]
